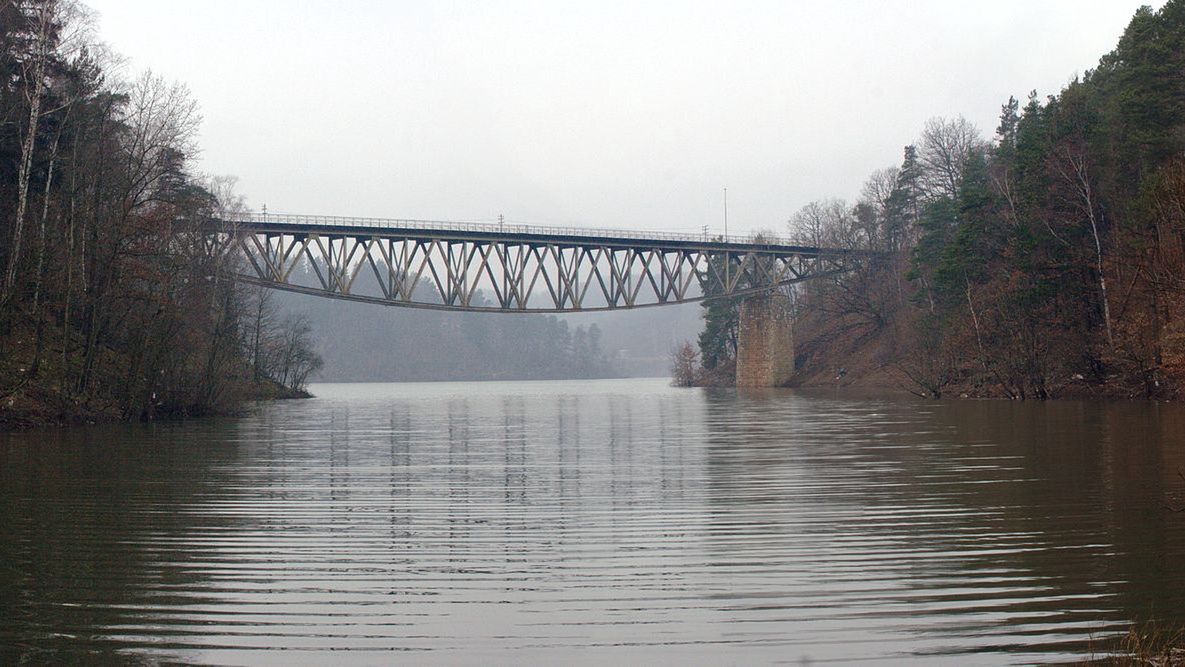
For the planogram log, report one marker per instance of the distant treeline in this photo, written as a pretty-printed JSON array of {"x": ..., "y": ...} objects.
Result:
[
  {"x": 1047, "y": 261},
  {"x": 110, "y": 306},
  {"x": 369, "y": 343}
]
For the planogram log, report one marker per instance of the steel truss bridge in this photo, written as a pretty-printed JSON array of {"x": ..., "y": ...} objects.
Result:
[{"x": 508, "y": 268}]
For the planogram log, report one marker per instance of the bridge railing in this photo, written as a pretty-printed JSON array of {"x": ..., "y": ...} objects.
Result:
[{"x": 498, "y": 228}]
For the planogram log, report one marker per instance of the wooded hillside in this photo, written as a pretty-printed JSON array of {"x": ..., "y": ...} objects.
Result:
[
  {"x": 110, "y": 307},
  {"x": 1046, "y": 261}
]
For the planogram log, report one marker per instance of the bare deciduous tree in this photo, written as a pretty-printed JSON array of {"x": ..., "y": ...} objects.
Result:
[
  {"x": 878, "y": 188},
  {"x": 684, "y": 365},
  {"x": 261, "y": 320},
  {"x": 945, "y": 145},
  {"x": 815, "y": 223},
  {"x": 163, "y": 120}
]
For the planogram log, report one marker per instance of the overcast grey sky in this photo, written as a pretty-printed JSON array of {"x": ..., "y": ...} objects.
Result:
[{"x": 609, "y": 114}]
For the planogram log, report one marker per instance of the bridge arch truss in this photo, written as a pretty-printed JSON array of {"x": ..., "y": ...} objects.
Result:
[{"x": 482, "y": 267}]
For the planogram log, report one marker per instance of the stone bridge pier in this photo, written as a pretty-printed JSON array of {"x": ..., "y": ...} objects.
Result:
[{"x": 765, "y": 341}]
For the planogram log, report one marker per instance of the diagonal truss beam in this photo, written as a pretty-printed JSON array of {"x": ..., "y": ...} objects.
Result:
[{"x": 510, "y": 274}]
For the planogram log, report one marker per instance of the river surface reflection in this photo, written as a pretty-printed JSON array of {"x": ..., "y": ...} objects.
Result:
[{"x": 585, "y": 522}]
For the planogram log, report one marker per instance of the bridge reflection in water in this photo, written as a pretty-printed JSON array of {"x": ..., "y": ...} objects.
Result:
[{"x": 617, "y": 521}]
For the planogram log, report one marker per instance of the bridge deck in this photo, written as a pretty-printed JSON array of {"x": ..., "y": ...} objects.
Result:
[{"x": 324, "y": 225}]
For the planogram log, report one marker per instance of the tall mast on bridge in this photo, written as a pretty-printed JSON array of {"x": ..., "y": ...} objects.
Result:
[{"x": 727, "y": 261}]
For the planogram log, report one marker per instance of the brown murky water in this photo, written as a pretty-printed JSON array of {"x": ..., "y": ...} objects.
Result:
[{"x": 586, "y": 522}]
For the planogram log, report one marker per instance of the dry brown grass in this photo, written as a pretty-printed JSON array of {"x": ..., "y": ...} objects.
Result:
[{"x": 1149, "y": 644}]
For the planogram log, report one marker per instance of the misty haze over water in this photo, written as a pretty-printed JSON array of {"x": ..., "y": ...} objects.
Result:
[{"x": 365, "y": 343}]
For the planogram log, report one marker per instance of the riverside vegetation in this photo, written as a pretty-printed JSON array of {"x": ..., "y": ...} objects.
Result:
[
  {"x": 110, "y": 308},
  {"x": 1045, "y": 262}
]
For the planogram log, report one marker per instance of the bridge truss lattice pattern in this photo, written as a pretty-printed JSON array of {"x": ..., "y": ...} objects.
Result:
[{"x": 473, "y": 267}]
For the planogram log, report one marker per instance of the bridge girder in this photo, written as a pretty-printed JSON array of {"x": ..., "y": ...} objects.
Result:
[{"x": 526, "y": 270}]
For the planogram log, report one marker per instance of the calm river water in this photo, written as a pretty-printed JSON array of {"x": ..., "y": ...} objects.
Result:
[{"x": 587, "y": 522}]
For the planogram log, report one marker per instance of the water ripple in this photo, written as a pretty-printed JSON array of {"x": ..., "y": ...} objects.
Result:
[{"x": 585, "y": 522}]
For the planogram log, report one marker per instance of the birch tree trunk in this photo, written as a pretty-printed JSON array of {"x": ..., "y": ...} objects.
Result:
[
  {"x": 1079, "y": 177},
  {"x": 39, "y": 277},
  {"x": 34, "y": 96}
]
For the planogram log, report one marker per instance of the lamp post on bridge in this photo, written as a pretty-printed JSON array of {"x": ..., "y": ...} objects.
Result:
[{"x": 726, "y": 215}]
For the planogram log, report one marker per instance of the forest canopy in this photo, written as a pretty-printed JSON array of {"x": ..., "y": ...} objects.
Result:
[
  {"x": 110, "y": 304},
  {"x": 1045, "y": 261}
]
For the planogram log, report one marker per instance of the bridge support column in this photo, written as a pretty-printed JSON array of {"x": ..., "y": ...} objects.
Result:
[{"x": 765, "y": 342}]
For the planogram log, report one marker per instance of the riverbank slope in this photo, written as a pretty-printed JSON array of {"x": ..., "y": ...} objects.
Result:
[{"x": 42, "y": 390}]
